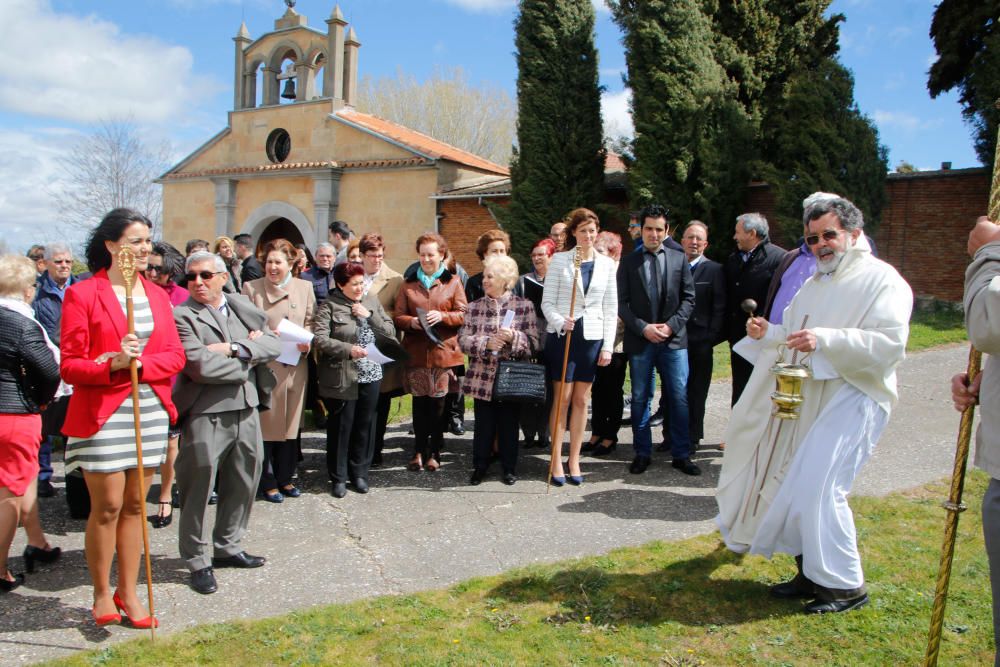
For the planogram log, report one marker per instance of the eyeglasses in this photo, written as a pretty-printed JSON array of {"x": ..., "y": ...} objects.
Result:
[
  {"x": 159, "y": 269},
  {"x": 204, "y": 275},
  {"x": 828, "y": 235},
  {"x": 372, "y": 256}
]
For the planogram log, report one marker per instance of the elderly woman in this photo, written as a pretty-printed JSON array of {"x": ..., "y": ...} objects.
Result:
[
  {"x": 282, "y": 296},
  {"x": 29, "y": 377},
  {"x": 225, "y": 248},
  {"x": 97, "y": 351},
  {"x": 346, "y": 324},
  {"x": 383, "y": 283},
  {"x": 435, "y": 293},
  {"x": 164, "y": 268},
  {"x": 486, "y": 343},
  {"x": 608, "y": 397},
  {"x": 591, "y": 329},
  {"x": 535, "y": 418}
]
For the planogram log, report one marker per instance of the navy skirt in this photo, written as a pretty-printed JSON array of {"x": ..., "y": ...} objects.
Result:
[{"x": 583, "y": 354}]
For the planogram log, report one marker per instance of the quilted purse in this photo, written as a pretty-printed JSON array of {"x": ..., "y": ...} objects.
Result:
[{"x": 519, "y": 382}]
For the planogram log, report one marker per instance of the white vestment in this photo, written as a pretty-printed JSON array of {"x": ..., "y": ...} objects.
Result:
[{"x": 784, "y": 483}]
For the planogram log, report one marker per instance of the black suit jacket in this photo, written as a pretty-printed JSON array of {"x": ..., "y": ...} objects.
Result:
[
  {"x": 676, "y": 299},
  {"x": 707, "y": 322},
  {"x": 252, "y": 270},
  {"x": 748, "y": 280}
]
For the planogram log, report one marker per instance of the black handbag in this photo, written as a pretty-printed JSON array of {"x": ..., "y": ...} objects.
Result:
[{"x": 519, "y": 382}]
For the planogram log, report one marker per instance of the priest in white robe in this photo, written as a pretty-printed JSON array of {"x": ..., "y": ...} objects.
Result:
[{"x": 784, "y": 483}]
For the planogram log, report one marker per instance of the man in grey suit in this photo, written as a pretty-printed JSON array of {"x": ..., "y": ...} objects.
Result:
[
  {"x": 224, "y": 382},
  {"x": 655, "y": 299}
]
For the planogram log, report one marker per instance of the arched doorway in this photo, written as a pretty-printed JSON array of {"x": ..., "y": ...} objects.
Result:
[{"x": 280, "y": 228}]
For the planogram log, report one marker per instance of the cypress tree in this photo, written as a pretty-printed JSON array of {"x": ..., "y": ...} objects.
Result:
[{"x": 558, "y": 164}]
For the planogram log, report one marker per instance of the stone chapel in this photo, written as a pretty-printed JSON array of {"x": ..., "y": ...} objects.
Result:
[{"x": 296, "y": 155}]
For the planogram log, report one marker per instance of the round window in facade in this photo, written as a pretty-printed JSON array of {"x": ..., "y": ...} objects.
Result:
[{"x": 279, "y": 145}]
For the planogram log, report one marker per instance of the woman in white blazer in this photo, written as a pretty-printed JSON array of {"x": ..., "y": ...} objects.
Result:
[{"x": 591, "y": 330}]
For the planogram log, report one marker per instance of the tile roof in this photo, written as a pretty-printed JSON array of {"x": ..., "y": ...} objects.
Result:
[
  {"x": 614, "y": 177},
  {"x": 417, "y": 141},
  {"x": 299, "y": 166}
]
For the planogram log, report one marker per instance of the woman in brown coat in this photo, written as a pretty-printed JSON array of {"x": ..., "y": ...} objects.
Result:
[
  {"x": 434, "y": 291},
  {"x": 283, "y": 296}
]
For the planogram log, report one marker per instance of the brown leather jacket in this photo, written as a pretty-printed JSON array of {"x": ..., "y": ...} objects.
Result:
[{"x": 447, "y": 296}]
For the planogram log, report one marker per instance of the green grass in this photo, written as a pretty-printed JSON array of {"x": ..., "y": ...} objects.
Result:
[
  {"x": 930, "y": 329},
  {"x": 668, "y": 603}
]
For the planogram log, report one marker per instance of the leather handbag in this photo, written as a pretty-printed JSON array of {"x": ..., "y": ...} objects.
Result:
[{"x": 519, "y": 382}]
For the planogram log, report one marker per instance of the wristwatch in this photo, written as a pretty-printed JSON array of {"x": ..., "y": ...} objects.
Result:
[{"x": 234, "y": 350}]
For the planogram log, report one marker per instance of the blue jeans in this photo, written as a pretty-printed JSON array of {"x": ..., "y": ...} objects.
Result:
[
  {"x": 45, "y": 460},
  {"x": 673, "y": 368}
]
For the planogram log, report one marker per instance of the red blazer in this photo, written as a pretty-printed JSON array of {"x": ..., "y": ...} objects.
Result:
[{"x": 93, "y": 323}]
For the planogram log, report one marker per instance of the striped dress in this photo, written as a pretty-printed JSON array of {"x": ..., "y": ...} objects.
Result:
[{"x": 112, "y": 448}]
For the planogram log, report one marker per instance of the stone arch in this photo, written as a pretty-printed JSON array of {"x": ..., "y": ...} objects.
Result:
[
  {"x": 317, "y": 61},
  {"x": 272, "y": 68},
  {"x": 281, "y": 50},
  {"x": 265, "y": 214},
  {"x": 255, "y": 74}
]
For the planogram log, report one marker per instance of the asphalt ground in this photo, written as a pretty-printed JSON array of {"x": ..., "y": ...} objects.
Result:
[{"x": 420, "y": 530}]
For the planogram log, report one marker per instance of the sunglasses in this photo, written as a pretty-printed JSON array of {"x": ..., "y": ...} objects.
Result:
[
  {"x": 204, "y": 275},
  {"x": 155, "y": 269},
  {"x": 828, "y": 235},
  {"x": 35, "y": 258}
]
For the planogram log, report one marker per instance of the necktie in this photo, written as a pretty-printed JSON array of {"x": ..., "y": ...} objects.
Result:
[{"x": 654, "y": 287}]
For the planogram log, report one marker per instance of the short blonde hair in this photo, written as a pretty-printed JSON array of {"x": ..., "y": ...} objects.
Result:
[
  {"x": 17, "y": 274},
  {"x": 503, "y": 267}
]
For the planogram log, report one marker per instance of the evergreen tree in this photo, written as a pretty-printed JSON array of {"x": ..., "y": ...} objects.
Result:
[
  {"x": 692, "y": 137},
  {"x": 559, "y": 161},
  {"x": 966, "y": 34},
  {"x": 817, "y": 139}
]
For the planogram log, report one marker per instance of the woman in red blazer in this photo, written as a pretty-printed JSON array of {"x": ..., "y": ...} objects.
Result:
[{"x": 96, "y": 353}]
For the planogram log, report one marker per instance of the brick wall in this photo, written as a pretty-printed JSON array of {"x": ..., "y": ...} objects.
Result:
[
  {"x": 463, "y": 221},
  {"x": 925, "y": 226}
]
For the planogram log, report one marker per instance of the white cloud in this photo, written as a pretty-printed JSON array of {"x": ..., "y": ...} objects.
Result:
[
  {"x": 85, "y": 69},
  {"x": 904, "y": 121},
  {"x": 616, "y": 114},
  {"x": 30, "y": 171}
]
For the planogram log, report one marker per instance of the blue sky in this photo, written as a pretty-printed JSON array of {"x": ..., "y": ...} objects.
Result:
[{"x": 169, "y": 64}]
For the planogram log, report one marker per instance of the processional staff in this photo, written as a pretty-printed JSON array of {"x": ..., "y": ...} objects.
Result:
[
  {"x": 126, "y": 263},
  {"x": 954, "y": 505},
  {"x": 557, "y": 412}
]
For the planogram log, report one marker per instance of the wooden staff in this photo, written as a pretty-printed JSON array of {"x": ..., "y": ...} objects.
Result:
[
  {"x": 954, "y": 505},
  {"x": 126, "y": 264},
  {"x": 557, "y": 412}
]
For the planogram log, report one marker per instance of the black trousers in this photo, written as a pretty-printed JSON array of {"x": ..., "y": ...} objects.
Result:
[
  {"x": 608, "y": 398},
  {"x": 350, "y": 434},
  {"x": 741, "y": 369},
  {"x": 382, "y": 409},
  {"x": 699, "y": 379},
  {"x": 428, "y": 425},
  {"x": 280, "y": 459},
  {"x": 495, "y": 420}
]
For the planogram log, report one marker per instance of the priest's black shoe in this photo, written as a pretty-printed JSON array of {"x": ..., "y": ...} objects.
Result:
[
  {"x": 45, "y": 489},
  {"x": 361, "y": 485},
  {"x": 639, "y": 465},
  {"x": 835, "y": 606},
  {"x": 339, "y": 490},
  {"x": 203, "y": 581},
  {"x": 509, "y": 478},
  {"x": 686, "y": 467},
  {"x": 799, "y": 587},
  {"x": 242, "y": 559},
  {"x": 477, "y": 477}
]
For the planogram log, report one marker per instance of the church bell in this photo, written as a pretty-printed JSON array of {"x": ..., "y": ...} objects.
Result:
[{"x": 289, "y": 91}]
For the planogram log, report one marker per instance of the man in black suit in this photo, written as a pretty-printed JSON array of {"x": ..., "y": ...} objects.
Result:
[
  {"x": 655, "y": 300},
  {"x": 748, "y": 275},
  {"x": 705, "y": 326},
  {"x": 250, "y": 268}
]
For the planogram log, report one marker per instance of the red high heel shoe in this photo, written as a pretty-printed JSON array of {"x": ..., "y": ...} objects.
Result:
[
  {"x": 137, "y": 623},
  {"x": 106, "y": 619}
]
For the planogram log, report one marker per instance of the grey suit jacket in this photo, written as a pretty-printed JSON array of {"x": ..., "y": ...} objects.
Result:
[{"x": 211, "y": 382}]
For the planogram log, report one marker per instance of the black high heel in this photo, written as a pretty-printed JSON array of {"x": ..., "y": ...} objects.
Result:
[
  {"x": 35, "y": 554},
  {"x": 7, "y": 586}
]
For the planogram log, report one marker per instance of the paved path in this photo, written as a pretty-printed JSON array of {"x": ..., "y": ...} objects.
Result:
[{"x": 425, "y": 530}]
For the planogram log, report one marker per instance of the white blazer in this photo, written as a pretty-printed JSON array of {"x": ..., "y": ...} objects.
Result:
[{"x": 598, "y": 307}]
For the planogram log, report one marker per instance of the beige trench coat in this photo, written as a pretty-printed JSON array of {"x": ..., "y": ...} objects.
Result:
[
  {"x": 296, "y": 303},
  {"x": 385, "y": 288}
]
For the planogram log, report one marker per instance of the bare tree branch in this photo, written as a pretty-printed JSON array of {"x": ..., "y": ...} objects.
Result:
[
  {"x": 111, "y": 168},
  {"x": 480, "y": 119}
]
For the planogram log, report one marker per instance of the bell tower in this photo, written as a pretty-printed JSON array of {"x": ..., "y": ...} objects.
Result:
[{"x": 296, "y": 63}]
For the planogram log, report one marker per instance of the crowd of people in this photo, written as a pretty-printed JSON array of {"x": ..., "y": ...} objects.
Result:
[{"x": 234, "y": 340}]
